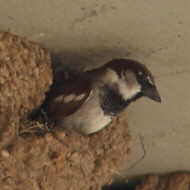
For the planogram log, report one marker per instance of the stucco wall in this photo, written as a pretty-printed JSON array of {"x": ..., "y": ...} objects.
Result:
[{"x": 154, "y": 32}]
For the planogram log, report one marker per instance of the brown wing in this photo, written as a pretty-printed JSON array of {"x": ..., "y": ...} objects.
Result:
[{"x": 67, "y": 97}]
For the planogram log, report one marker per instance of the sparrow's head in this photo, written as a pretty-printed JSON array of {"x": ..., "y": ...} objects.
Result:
[{"x": 138, "y": 79}]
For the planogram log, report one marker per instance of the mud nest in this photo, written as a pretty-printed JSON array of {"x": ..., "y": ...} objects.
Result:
[
  {"x": 174, "y": 181},
  {"x": 167, "y": 181},
  {"x": 25, "y": 76},
  {"x": 58, "y": 160},
  {"x": 65, "y": 161}
]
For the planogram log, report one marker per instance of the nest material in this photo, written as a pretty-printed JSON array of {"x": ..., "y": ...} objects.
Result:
[
  {"x": 25, "y": 76},
  {"x": 57, "y": 160},
  {"x": 65, "y": 160},
  {"x": 174, "y": 181}
]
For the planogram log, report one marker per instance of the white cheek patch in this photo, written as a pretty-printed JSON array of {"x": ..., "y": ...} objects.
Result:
[
  {"x": 129, "y": 87},
  {"x": 79, "y": 97},
  {"x": 69, "y": 98},
  {"x": 134, "y": 90},
  {"x": 129, "y": 92},
  {"x": 140, "y": 73},
  {"x": 111, "y": 76}
]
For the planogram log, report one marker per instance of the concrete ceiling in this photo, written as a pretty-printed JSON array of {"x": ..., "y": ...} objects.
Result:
[{"x": 88, "y": 33}]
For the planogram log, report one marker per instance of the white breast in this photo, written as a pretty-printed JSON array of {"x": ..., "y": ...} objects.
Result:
[{"x": 89, "y": 118}]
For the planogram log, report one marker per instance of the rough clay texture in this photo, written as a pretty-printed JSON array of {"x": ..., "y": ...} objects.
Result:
[
  {"x": 65, "y": 160},
  {"x": 25, "y": 76},
  {"x": 176, "y": 181},
  {"x": 58, "y": 160}
]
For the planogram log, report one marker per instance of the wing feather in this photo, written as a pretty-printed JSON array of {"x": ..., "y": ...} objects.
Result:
[{"x": 67, "y": 96}]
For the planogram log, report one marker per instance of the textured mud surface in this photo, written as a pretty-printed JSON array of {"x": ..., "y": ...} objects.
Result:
[
  {"x": 64, "y": 161},
  {"x": 59, "y": 160},
  {"x": 168, "y": 181},
  {"x": 25, "y": 76},
  {"x": 176, "y": 181}
]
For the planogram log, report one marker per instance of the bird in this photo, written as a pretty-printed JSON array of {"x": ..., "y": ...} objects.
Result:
[{"x": 89, "y": 101}]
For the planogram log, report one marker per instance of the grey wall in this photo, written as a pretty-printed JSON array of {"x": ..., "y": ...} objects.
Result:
[{"x": 157, "y": 33}]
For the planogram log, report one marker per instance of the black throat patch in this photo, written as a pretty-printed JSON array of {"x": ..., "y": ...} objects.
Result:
[{"x": 112, "y": 102}]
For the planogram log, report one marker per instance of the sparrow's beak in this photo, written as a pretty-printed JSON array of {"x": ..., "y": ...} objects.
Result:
[{"x": 152, "y": 93}]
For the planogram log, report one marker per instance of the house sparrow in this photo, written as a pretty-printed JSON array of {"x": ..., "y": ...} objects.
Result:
[{"x": 89, "y": 101}]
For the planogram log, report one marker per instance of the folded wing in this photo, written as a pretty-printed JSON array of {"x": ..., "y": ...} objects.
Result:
[{"x": 67, "y": 96}]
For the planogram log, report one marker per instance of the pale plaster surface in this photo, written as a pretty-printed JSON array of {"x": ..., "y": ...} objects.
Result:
[{"x": 157, "y": 33}]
